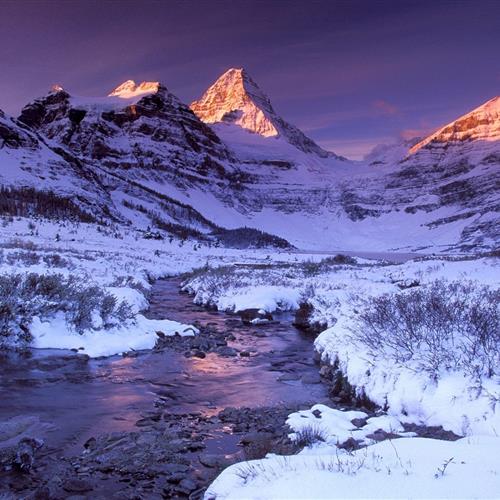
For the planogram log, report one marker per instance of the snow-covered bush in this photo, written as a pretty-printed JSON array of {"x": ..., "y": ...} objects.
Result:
[
  {"x": 313, "y": 268},
  {"x": 22, "y": 297},
  {"x": 27, "y": 258},
  {"x": 442, "y": 326}
]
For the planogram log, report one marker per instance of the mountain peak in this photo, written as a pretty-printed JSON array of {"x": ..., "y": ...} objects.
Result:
[
  {"x": 481, "y": 124},
  {"x": 236, "y": 98},
  {"x": 130, "y": 89},
  {"x": 56, "y": 88}
]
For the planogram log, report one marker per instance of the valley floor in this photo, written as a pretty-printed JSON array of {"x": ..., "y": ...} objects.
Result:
[{"x": 377, "y": 452}]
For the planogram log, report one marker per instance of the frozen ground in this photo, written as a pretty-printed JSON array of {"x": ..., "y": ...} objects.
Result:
[{"x": 402, "y": 468}]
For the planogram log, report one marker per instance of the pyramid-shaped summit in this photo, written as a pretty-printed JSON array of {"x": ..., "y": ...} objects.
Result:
[{"x": 236, "y": 98}]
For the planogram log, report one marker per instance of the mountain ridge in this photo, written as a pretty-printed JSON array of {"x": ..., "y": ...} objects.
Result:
[
  {"x": 482, "y": 123},
  {"x": 156, "y": 163}
]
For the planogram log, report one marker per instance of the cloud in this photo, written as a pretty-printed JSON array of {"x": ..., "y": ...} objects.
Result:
[
  {"x": 422, "y": 129},
  {"x": 385, "y": 108},
  {"x": 411, "y": 133},
  {"x": 354, "y": 149}
]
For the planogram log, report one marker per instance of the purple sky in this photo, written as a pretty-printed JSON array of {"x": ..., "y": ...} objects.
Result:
[{"x": 351, "y": 74}]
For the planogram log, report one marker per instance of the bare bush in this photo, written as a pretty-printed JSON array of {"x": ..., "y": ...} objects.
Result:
[
  {"x": 27, "y": 258},
  {"x": 22, "y": 297},
  {"x": 19, "y": 243},
  {"x": 55, "y": 260},
  {"x": 130, "y": 282},
  {"x": 442, "y": 326},
  {"x": 313, "y": 268},
  {"x": 309, "y": 435}
]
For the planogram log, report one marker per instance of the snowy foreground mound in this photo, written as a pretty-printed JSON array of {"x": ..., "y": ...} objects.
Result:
[
  {"x": 137, "y": 334},
  {"x": 460, "y": 403},
  {"x": 403, "y": 468},
  {"x": 406, "y": 467}
]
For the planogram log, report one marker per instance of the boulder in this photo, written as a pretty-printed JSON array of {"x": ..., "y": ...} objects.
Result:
[{"x": 254, "y": 316}]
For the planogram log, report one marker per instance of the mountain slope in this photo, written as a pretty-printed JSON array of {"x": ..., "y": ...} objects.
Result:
[
  {"x": 442, "y": 194},
  {"x": 154, "y": 159},
  {"x": 34, "y": 176},
  {"x": 142, "y": 135},
  {"x": 481, "y": 124}
]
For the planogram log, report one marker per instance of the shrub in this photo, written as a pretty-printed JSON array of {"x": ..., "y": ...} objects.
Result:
[
  {"x": 55, "y": 260},
  {"x": 130, "y": 282},
  {"x": 24, "y": 296},
  {"x": 341, "y": 259},
  {"x": 27, "y": 258},
  {"x": 443, "y": 326},
  {"x": 312, "y": 268},
  {"x": 309, "y": 435}
]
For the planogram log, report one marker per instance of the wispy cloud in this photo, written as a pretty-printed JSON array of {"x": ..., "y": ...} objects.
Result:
[
  {"x": 384, "y": 108},
  {"x": 354, "y": 149},
  {"x": 325, "y": 120},
  {"x": 411, "y": 133}
]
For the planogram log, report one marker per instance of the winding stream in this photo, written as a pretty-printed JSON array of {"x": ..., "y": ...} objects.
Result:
[{"x": 82, "y": 398}]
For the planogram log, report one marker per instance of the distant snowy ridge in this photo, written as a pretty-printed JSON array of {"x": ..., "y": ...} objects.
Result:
[
  {"x": 481, "y": 124},
  {"x": 131, "y": 89}
]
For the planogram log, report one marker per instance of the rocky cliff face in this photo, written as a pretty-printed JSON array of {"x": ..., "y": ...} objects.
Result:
[
  {"x": 28, "y": 167},
  {"x": 12, "y": 136}
]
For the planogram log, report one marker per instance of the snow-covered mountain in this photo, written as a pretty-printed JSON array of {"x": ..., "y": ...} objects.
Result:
[
  {"x": 394, "y": 199},
  {"x": 37, "y": 179},
  {"x": 234, "y": 162},
  {"x": 482, "y": 124},
  {"x": 154, "y": 155},
  {"x": 144, "y": 130},
  {"x": 236, "y": 100}
]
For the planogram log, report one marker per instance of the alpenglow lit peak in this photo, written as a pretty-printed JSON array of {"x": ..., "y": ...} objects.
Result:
[
  {"x": 481, "y": 124},
  {"x": 236, "y": 99},
  {"x": 130, "y": 89}
]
